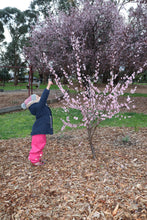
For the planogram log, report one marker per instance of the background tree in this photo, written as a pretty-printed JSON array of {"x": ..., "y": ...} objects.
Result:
[
  {"x": 95, "y": 25},
  {"x": 18, "y": 24},
  {"x": 4, "y": 75},
  {"x": 12, "y": 58},
  {"x": 102, "y": 32},
  {"x": 132, "y": 51},
  {"x": 67, "y": 5},
  {"x": 41, "y": 7},
  {"x": 2, "y": 36}
]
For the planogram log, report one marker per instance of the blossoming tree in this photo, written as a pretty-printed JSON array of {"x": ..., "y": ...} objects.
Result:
[
  {"x": 95, "y": 105},
  {"x": 102, "y": 44}
]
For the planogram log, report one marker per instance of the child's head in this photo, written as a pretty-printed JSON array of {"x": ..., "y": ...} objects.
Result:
[{"x": 30, "y": 100}]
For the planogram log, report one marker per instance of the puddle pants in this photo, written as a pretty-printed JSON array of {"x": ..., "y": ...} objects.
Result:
[{"x": 38, "y": 143}]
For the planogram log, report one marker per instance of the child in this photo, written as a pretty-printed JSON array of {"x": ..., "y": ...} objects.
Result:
[{"x": 42, "y": 126}]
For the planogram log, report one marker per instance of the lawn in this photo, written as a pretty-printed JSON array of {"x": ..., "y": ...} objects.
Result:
[
  {"x": 19, "y": 124},
  {"x": 10, "y": 86}
]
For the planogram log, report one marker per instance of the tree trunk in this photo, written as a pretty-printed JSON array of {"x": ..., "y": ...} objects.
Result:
[
  {"x": 15, "y": 78},
  {"x": 91, "y": 145},
  {"x": 93, "y": 151}
]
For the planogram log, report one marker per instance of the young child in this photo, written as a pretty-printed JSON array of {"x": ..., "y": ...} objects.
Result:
[{"x": 42, "y": 126}]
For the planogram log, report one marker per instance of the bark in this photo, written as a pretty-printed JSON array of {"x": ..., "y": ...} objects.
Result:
[
  {"x": 93, "y": 151},
  {"x": 90, "y": 143}
]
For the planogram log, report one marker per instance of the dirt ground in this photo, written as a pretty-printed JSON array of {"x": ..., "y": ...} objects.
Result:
[
  {"x": 14, "y": 98},
  {"x": 71, "y": 185}
]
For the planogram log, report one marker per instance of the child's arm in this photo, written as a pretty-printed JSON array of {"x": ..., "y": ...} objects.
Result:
[
  {"x": 45, "y": 95},
  {"x": 49, "y": 84}
]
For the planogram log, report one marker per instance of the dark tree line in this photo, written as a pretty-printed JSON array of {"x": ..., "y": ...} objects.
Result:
[{"x": 99, "y": 26}]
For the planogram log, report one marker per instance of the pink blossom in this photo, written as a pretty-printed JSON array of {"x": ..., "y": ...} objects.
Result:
[{"x": 76, "y": 118}]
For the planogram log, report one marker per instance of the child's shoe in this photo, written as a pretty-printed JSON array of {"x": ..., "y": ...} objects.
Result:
[
  {"x": 38, "y": 164},
  {"x": 43, "y": 160}
]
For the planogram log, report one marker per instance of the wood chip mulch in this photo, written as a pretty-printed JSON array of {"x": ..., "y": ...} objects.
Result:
[{"x": 71, "y": 185}]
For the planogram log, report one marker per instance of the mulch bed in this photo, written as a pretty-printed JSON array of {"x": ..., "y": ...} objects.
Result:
[{"x": 71, "y": 185}]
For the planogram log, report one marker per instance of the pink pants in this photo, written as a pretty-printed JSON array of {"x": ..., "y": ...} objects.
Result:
[{"x": 38, "y": 143}]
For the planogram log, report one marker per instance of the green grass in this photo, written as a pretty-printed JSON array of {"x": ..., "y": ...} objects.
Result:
[
  {"x": 129, "y": 119},
  {"x": 10, "y": 86},
  {"x": 135, "y": 94},
  {"x": 19, "y": 124},
  {"x": 142, "y": 84}
]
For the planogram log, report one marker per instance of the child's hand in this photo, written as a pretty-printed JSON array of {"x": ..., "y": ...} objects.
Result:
[{"x": 49, "y": 83}]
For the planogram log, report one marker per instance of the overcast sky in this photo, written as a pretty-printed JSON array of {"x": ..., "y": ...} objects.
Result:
[{"x": 20, "y": 4}]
